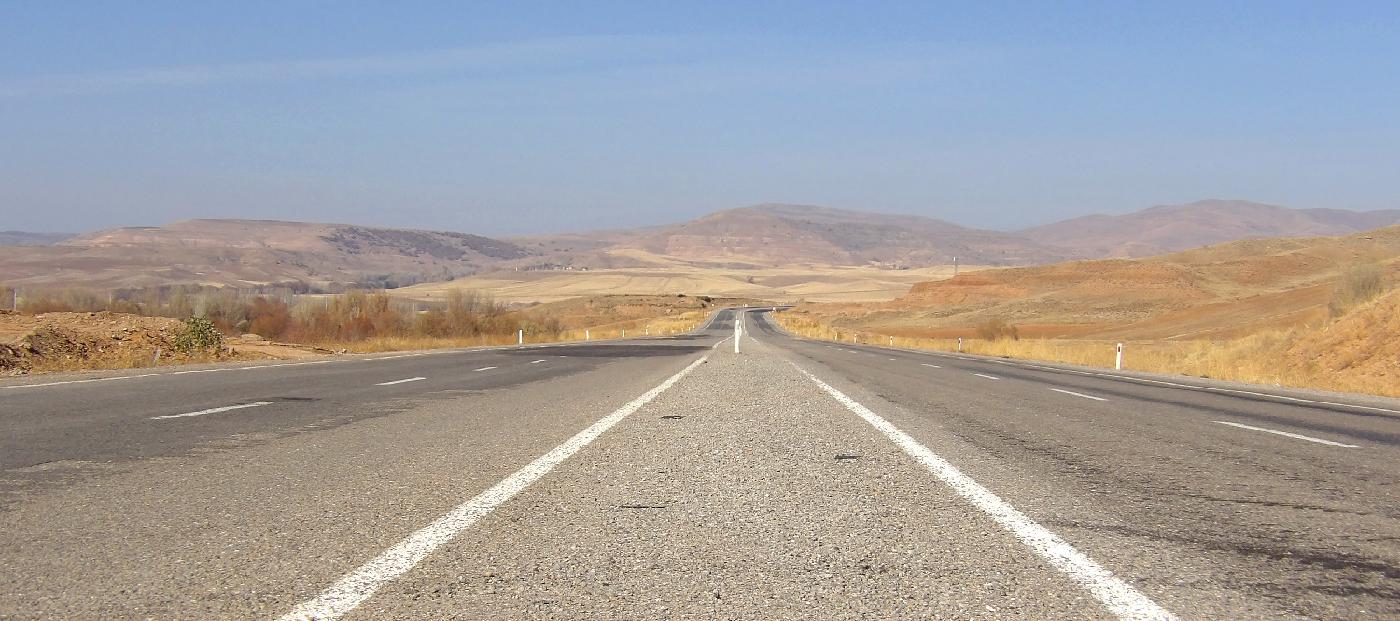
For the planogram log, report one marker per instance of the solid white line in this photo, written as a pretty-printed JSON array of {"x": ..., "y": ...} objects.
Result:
[
  {"x": 1079, "y": 394},
  {"x": 1364, "y": 407},
  {"x": 214, "y": 410},
  {"x": 721, "y": 342},
  {"x": 485, "y": 369},
  {"x": 986, "y": 376},
  {"x": 930, "y": 365},
  {"x": 357, "y": 586},
  {"x": 1298, "y": 436},
  {"x": 402, "y": 381},
  {"x": 537, "y": 362},
  {"x": 1119, "y": 597}
]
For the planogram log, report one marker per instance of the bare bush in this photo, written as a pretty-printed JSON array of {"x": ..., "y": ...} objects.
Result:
[
  {"x": 1357, "y": 285},
  {"x": 997, "y": 328}
]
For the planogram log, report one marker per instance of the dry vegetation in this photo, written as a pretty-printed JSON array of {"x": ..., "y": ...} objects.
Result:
[
  {"x": 1308, "y": 313},
  {"x": 1359, "y": 352},
  {"x": 72, "y": 329}
]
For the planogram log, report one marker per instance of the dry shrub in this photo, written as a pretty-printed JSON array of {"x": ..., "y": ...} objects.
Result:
[
  {"x": 995, "y": 329},
  {"x": 1358, "y": 284}
]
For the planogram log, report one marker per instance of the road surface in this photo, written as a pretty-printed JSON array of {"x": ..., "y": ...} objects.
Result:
[{"x": 671, "y": 478}]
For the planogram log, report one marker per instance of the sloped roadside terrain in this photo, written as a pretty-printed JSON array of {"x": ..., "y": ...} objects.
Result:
[{"x": 106, "y": 340}]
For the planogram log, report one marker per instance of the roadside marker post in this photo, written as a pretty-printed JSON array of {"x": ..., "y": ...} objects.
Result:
[
  {"x": 520, "y": 337},
  {"x": 960, "y": 344},
  {"x": 587, "y": 336},
  {"x": 738, "y": 330},
  {"x": 1118, "y": 360}
]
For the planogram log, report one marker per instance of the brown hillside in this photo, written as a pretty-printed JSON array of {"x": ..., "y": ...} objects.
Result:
[
  {"x": 1212, "y": 292},
  {"x": 1170, "y": 228},
  {"x": 252, "y": 252},
  {"x": 798, "y": 234}
]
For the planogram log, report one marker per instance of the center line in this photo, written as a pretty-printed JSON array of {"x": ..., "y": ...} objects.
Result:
[
  {"x": 1117, "y": 596},
  {"x": 489, "y": 368},
  {"x": 986, "y": 376},
  {"x": 537, "y": 362},
  {"x": 1079, "y": 394},
  {"x": 214, "y": 410},
  {"x": 402, "y": 381},
  {"x": 1298, "y": 436},
  {"x": 354, "y": 588},
  {"x": 930, "y": 365}
]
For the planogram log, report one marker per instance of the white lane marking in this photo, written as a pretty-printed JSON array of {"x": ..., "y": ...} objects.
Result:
[
  {"x": 716, "y": 345},
  {"x": 1119, "y": 597},
  {"x": 986, "y": 376},
  {"x": 1079, "y": 394},
  {"x": 1364, "y": 407},
  {"x": 537, "y": 361},
  {"x": 485, "y": 369},
  {"x": 891, "y": 359},
  {"x": 930, "y": 365},
  {"x": 214, "y": 410},
  {"x": 1298, "y": 436},
  {"x": 402, "y": 381},
  {"x": 354, "y": 588},
  {"x": 1171, "y": 384}
]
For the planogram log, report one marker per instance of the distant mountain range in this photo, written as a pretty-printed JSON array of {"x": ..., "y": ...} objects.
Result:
[
  {"x": 21, "y": 238},
  {"x": 256, "y": 252}
]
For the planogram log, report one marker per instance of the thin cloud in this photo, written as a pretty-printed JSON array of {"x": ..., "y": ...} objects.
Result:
[{"x": 521, "y": 54}]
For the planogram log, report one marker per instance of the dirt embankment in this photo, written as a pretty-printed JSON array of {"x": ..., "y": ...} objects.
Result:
[{"x": 106, "y": 340}]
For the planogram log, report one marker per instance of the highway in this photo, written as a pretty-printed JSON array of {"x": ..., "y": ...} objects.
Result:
[{"x": 671, "y": 478}]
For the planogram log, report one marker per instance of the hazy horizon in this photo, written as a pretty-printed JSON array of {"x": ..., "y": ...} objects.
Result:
[{"x": 504, "y": 121}]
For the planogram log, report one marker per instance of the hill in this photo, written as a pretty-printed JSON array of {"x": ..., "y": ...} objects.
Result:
[
  {"x": 775, "y": 235},
  {"x": 22, "y": 238},
  {"x": 253, "y": 252},
  {"x": 748, "y": 239},
  {"x": 1171, "y": 228},
  {"x": 1217, "y": 291}
]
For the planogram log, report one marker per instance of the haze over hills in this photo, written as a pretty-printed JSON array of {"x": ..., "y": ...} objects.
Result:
[
  {"x": 1170, "y": 228},
  {"x": 24, "y": 238},
  {"x": 260, "y": 252}
]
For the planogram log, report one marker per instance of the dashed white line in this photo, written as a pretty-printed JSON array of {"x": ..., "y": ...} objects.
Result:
[
  {"x": 402, "y": 381},
  {"x": 536, "y": 361},
  {"x": 214, "y": 410},
  {"x": 485, "y": 369},
  {"x": 1079, "y": 394},
  {"x": 1119, "y": 597},
  {"x": 930, "y": 365},
  {"x": 354, "y": 588},
  {"x": 986, "y": 376},
  {"x": 1297, "y": 436}
]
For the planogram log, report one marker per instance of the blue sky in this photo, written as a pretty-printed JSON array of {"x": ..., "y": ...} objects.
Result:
[{"x": 529, "y": 117}]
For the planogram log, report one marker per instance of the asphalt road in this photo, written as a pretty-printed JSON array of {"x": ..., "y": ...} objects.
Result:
[{"x": 671, "y": 478}]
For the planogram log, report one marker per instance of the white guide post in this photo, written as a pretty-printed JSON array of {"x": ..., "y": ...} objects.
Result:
[
  {"x": 520, "y": 338},
  {"x": 1118, "y": 360},
  {"x": 960, "y": 344},
  {"x": 738, "y": 330},
  {"x": 587, "y": 336}
]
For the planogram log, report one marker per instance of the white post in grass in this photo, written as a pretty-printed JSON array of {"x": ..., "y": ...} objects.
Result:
[
  {"x": 960, "y": 344},
  {"x": 587, "y": 336},
  {"x": 892, "y": 341},
  {"x": 1118, "y": 360},
  {"x": 520, "y": 337},
  {"x": 624, "y": 334}
]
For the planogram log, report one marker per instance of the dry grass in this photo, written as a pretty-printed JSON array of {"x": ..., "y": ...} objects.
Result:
[
  {"x": 1265, "y": 358},
  {"x": 661, "y": 326}
]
